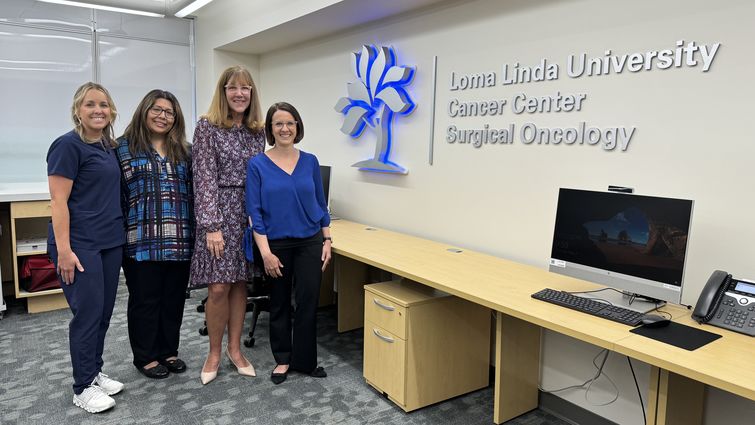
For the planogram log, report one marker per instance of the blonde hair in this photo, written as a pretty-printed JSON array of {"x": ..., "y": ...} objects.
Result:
[
  {"x": 78, "y": 99},
  {"x": 219, "y": 113}
]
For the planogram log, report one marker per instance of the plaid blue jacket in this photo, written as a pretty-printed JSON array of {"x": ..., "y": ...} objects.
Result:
[{"x": 158, "y": 206}]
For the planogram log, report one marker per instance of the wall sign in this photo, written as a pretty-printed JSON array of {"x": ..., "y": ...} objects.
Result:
[
  {"x": 375, "y": 100},
  {"x": 615, "y": 137}
]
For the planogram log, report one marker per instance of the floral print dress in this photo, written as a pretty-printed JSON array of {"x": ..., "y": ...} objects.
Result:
[{"x": 220, "y": 156}]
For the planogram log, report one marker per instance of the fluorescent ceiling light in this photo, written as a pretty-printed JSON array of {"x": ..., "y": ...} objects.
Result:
[
  {"x": 53, "y": 21},
  {"x": 191, "y": 8},
  {"x": 59, "y": 37},
  {"x": 109, "y": 8}
]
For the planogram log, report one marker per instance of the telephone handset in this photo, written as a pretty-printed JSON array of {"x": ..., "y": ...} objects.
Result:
[{"x": 728, "y": 303}]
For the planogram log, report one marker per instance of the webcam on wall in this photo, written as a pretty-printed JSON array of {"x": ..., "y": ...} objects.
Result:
[{"x": 620, "y": 189}]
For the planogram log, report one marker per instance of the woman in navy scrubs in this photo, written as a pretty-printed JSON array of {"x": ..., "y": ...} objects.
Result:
[{"x": 87, "y": 237}]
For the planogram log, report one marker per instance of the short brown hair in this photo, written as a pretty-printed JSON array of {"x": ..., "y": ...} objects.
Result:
[{"x": 283, "y": 106}]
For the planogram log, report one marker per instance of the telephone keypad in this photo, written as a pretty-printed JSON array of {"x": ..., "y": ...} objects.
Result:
[
  {"x": 736, "y": 312},
  {"x": 737, "y": 317}
]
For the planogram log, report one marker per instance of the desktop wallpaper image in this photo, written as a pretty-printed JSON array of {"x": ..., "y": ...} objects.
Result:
[{"x": 637, "y": 236}]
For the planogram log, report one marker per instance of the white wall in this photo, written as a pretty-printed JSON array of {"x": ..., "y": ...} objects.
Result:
[
  {"x": 226, "y": 21},
  {"x": 693, "y": 139}
]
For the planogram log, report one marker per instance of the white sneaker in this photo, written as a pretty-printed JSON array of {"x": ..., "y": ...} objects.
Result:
[
  {"x": 93, "y": 399},
  {"x": 109, "y": 386}
]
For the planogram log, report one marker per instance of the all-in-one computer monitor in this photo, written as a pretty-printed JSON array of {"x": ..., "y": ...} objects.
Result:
[{"x": 634, "y": 243}]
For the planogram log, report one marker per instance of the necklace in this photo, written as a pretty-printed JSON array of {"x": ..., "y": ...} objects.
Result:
[{"x": 101, "y": 141}]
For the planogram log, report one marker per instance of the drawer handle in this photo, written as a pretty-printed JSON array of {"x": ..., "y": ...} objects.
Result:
[
  {"x": 381, "y": 336},
  {"x": 381, "y": 305}
]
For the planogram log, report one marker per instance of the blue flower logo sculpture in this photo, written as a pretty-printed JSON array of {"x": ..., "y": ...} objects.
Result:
[{"x": 374, "y": 99}]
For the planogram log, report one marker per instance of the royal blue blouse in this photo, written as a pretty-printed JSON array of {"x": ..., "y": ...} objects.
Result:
[{"x": 282, "y": 205}]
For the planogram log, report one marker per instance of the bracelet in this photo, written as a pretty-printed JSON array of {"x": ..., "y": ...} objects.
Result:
[{"x": 327, "y": 238}]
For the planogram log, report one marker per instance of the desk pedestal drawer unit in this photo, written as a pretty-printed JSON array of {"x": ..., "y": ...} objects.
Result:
[{"x": 421, "y": 345}]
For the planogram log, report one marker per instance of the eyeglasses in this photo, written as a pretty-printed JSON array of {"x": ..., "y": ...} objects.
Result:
[
  {"x": 289, "y": 124},
  {"x": 156, "y": 111},
  {"x": 242, "y": 89}
]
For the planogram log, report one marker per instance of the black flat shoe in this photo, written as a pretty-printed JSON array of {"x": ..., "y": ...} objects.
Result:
[
  {"x": 174, "y": 366},
  {"x": 319, "y": 372},
  {"x": 157, "y": 372},
  {"x": 278, "y": 378}
]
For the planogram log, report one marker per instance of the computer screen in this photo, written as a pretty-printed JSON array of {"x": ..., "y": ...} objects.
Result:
[
  {"x": 630, "y": 242},
  {"x": 325, "y": 175}
]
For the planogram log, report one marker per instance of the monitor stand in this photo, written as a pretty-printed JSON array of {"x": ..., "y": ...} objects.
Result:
[{"x": 639, "y": 304}]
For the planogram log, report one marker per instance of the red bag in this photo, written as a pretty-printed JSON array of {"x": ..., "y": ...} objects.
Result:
[{"x": 39, "y": 274}]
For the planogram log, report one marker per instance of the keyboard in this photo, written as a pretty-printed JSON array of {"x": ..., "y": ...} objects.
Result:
[{"x": 590, "y": 306}]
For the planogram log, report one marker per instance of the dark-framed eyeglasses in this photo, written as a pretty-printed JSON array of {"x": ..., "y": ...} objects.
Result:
[{"x": 156, "y": 111}]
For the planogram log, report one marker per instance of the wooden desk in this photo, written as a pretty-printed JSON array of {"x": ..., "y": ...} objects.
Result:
[
  {"x": 505, "y": 286},
  {"x": 677, "y": 375}
]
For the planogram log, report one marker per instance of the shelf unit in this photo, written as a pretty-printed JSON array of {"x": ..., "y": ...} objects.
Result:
[
  {"x": 29, "y": 220},
  {"x": 2, "y": 300}
]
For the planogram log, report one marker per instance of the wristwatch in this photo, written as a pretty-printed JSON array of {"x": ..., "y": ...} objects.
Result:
[{"x": 327, "y": 238}]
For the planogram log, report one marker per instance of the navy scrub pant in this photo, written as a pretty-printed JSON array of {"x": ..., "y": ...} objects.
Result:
[
  {"x": 91, "y": 297},
  {"x": 302, "y": 264},
  {"x": 156, "y": 298}
]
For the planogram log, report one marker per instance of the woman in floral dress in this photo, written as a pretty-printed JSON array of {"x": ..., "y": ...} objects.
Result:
[{"x": 224, "y": 140}]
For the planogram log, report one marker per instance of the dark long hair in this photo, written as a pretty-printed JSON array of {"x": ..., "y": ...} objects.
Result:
[{"x": 138, "y": 134}]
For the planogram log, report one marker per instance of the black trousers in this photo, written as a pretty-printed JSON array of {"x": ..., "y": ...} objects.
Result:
[
  {"x": 296, "y": 345},
  {"x": 156, "y": 298}
]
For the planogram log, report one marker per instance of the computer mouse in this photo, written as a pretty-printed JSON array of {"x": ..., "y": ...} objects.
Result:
[{"x": 654, "y": 321}]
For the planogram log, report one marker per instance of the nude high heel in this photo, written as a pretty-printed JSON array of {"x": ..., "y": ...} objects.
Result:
[
  {"x": 246, "y": 371},
  {"x": 207, "y": 377}
]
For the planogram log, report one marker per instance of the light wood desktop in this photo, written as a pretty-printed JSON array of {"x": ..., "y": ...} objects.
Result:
[{"x": 506, "y": 287}]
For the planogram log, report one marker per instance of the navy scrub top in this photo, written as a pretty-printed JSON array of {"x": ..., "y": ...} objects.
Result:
[{"x": 96, "y": 220}]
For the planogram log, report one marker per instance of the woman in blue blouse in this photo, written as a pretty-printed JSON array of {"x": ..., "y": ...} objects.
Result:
[
  {"x": 158, "y": 205},
  {"x": 285, "y": 200}
]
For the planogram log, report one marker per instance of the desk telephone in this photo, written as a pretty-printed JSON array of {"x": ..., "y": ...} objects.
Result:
[{"x": 728, "y": 303}]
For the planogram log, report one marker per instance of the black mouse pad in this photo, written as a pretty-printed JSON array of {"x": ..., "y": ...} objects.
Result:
[{"x": 678, "y": 335}]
